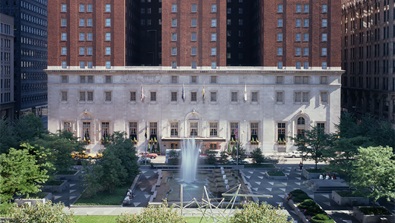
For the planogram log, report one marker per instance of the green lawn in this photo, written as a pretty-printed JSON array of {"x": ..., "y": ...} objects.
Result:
[
  {"x": 111, "y": 219},
  {"x": 115, "y": 198}
]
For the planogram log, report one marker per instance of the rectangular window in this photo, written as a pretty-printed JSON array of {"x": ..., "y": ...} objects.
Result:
[
  {"x": 174, "y": 37},
  {"x": 107, "y": 8},
  {"x": 213, "y": 37},
  {"x": 174, "y": 51},
  {"x": 63, "y": 8},
  {"x": 82, "y": 96},
  {"x": 90, "y": 96},
  {"x": 213, "y": 79},
  {"x": 173, "y": 96},
  {"x": 63, "y": 22},
  {"x": 213, "y": 8},
  {"x": 213, "y": 22},
  {"x": 306, "y": 23},
  {"x": 89, "y": 36},
  {"x": 89, "y": 22},
  {"x": 193, "y": 126},
  {"x": 82, "y": 8},
  {"x": 132, "y": 96},
  {"x": 64, "y": 96},
  {"x": 193, "y": 36},
  {"x": 213, "y": 129},
  {"x": 82, "y": 51},
  {"x": 108, "y": 37},
  {"x": 234, "y": 131},
  {"x": 280, "y": 97},
  {"x": 82, "y": 37},
  {"x": 254, "y": 131},
  {"x": 193, "y": 64},
  {"x": 321, "y": 126},
  {"x": 174, "y": 8},
  {"x": 67, "y": 126},
  {"x": 324, "y": 37},
  {"x": 153, "y": 130},
  {"x": 280, "y": 8},
  {"x": 108, "y": 50},
  {"x": 305, "y": 65},
  {"x": 194, "y": 96},
  {"x": 174, "y": 79},
  {"x": 323, "y": 52},
  {"x": 306, "y": 8},
  {"x": 301, "y": 80},
  {"x": 298, "y": 65},
  {"x": 298, "y": 8},
  {"x": 108, "y": 22},
  {"x": 279, "y": 51},
  {"x": 194, "y": 8},
  {"x": 233, "y": 96},
  {"x": 63, "y": 37},
  {"x": 193, "y": 51},
  {"x": 90, "y": 79},
  {"x": 324, "y": 23},
  {"x": 64, "y": 64},
  {"x": 324, "y": 97},
  {"x": 89, "y": 51},
  {"x": 279, "y": 79},
  {"x": 281, "y": 132},
  {"x": 174, "y": 129},
  {"x": 173, "y": 22},
  {"x": 63, "y": 51},
  {"x": 90, "y": 64},
  {"x": 279, "y": 65},
  {"x": 297, "y": 51},
  {"x": 324, "y": 8},
  {"x": 213, "y": 51},
  {"x": 213, "y": 96},
  {"x": 301, "y": 97},
  {"x": 279, "y": 22},
  {"x": 305, "y": 37},
  {"x": 324, "y": 80},
  {"x": 279, "y": 37},
  {"x": 82, "y": 64},
  {"x": 64, "y": 79},
  {"x": 213, "y": 65},
  {"x": 133, "y": 130},
  {"x": 153, "y": 96},
  {"x": 305, "y": 52},
  {"x": 108, "y": 79},
  {"x": 89, "y": 8},
  {"x": 193, "y": 79},
  {"x": 108, "y": 64},
  {"x": 174, "y": 64},
  {"x": 324, "y": 65},
  {"x": 82, "y": 23},
  {"x": 107, "y": 96},
  {"x": 298, "y": 23},
  {"x": 254, "y": 96}
]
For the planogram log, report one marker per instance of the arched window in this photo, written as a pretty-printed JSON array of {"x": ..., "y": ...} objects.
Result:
[
  {"x": 301, "y": 121},
  {"x": 301, "y": 126}
]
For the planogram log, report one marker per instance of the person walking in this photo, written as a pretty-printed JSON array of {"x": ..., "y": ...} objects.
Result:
[{"x": 301, "y": 165}]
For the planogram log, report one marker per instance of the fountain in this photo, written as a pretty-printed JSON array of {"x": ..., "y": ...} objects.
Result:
[{"x": 190, "y": 154}]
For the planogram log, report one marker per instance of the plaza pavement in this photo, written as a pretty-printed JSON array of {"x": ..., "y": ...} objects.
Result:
[{"x": 256, "y": 177}]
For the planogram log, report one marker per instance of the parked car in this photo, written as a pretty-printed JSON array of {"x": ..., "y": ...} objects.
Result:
[
  {"x": 294, "y": 154},
  {"x": 150, "y": 155},
  {"x": 85, "y": 155}
]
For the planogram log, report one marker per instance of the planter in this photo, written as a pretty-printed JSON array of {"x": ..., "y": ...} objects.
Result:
[
  {"x": 349, "y": 200},
  {"x": 68, "y": 175},
  {"x": 372, "y": 218},
  {"x": 276, "y": 175},
  {"x": 311, "y": 175},
  {"x": 56, "y": 187}
]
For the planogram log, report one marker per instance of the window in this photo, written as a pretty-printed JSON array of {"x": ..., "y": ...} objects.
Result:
[
  {"x": 193, "y": 22},
  {"x": 324, "y": 97},
  {"x": 213, "y": 37},
  {"x": 90, "y": 79},
  {"x": 108, "y": 79},
  {"x": 297, "y": 51},
  {"x": 82, "y": 51},
  {"x": 324, "y": 23},
  {"x": 213, "y": 22},
  {"x": 254, "y": 96},
  {"x": 193, "y": 51},
  {"x": 89, "y": 96},
  {"x": 89, "y": 8},
  {"x": 193, "y": 36},
  {"x": 86, "y": 126},
  {"x": 324, "y": 65},
  {"x": 63, "y": 22},
  {"x": 306, "y": 23},
  {"x": 82, "y": 23},
  {"x": 174, "y": 51},
  {"x": 279, "y": 79},
  {"x": 213, "y": 65},
  {"x": 107, "y": 96},
  {"x": 133, "y": 131},
  {"x": 213, "y": 129},
  {"x": 301, "y": 97},
  {"x": 321, "y": 126},
  {"x": 193, "y": 65},
  {"x": 108, "y": 50},
  {"x": 63, "y": 8},
  {"x": 213, "y": 51},
  {"x": 82, "y": 37},
  {"x": 194, "y": 79},
  {"x": 173, "y": 96},
  {"x": 82, "y": 96},
  {"x": 213, "y": 8},
  {"x": 280, "y": 8},
  {"x": 324, "y": 37},
  {"x": 279, "y": 22},
  {"x": 174, "y": 79},
  {"x": 305, "y": 37},
  {"x": 193, "y": 96},
  {"x": 233, "y": 96},
  {"x": 324, "y": 80},
  {"x": 108, "y": 22},
  {"x": 132, "y": 96},
  {"x": 281, "y": 132},
  {"x": 173, "y": 22},
  {"x": 306, "y": 8},
  {"x": 324, "y": 8},
  {"x": 298, "y": 8},
  {"x": 213, "y": 79},
  {"x": 174, "y": 37},
  {"x": 63, "y": 51},
  {"x": 174, "y": 64},
  {"x": 174, "y": 129},
  {"x": 279, "y": 65},
  {"x": 298, "y": 23},
  {"x": 305, "y": 65},
  {"x": 298, "y": 37},
  {"x": 323, "y": 51},
  {"x": 153, "y": 96},
  {"x": 194, "y": 8},
  {"x": 108, "y": 37},
  {"x": 82, "y": 64},
  {"x": 64, "y": 64},
  {"x": 82, "y": 79},
  {"x": 174, "y": 8},
  {"x": 234, "y": 131},
  {"x": 107, "y": 8},
  {"x": 89, "y": 51},
  {"x": 213, "y": 96},
  {"x": 64, "y": 79},
  {"x": 63, "y": 96},
  {"x": 89, "y": 37},
  {"x": 153, "y": 129},
  {"x": 305, "y": 52},
  {"x": 279, "y": 51},
  {"x": 193, "y": 126},
  {"x": 82, "y": 8},
  {"x": 254, "y": 131},
  {"x": 63, "y": 37},
  {"x": 90, "y": 64},
  {"x": 301, "y": 80},
  {"x": 279, "y": 37},
  {"x": 89, "y": 22},
  {"x": 67, "y": 126},
  {"x": 108, "y": 64},
  {"x": 279, "y": 97}
]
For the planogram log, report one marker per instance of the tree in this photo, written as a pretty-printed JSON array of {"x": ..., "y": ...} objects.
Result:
[
  {"x": 223, "y": 157},
  {"x": 40, "y": 213},
  {"x": 374, "y": 169},
  {"x": 20, "y": 174},
  {"x": 313, "y": 144},
  {"x": 8, "y": 136},
  {"x": 28, "y": 127},
  {"x": 238, "y": 150},
  {"x": 264, "y": 213},
  {"x": 257, "y": 156}
]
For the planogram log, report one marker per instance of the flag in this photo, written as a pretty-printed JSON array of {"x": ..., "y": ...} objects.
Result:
[
  {"x": 245, "y": 92},
  {"x": 142, "y": 94},
  {"x": 203, "y": 93},
  {"x": 183, "y": 93}
]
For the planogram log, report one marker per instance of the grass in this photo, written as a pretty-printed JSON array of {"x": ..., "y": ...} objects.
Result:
[
  {"x": 112, "y": 219},
  {"x": 115, "y": 198}
]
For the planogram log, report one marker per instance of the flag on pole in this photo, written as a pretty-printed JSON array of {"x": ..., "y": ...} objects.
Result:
[
  {"x": 203, "y": 93},
  {"x": 183, "y": 93},
  {"x": 245, "y": 92},
  {"x": 142, "y": 94}
]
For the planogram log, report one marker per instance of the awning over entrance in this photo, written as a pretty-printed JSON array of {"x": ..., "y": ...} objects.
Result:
[{"x": 211, "y": 139}]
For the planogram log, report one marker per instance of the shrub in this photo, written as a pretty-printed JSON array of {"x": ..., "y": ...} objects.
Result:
[
  {"x": 157, "y": 214},
  {"x": 309, "y": 207},
  {"x": 299, "y": 196},
  {"x": 263, "y": 213},
  {"x": 321, "y": 218},
  {"x": 374, "y": 211}
]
